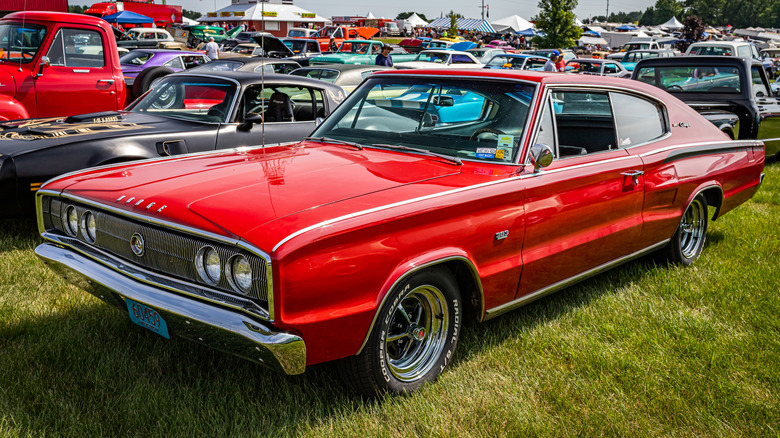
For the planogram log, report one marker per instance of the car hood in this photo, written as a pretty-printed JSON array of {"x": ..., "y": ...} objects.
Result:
[
  {"x": 279, "y": 189},
  {"x": 273, "y": 45},
  {"x": 30, "y": 135}
]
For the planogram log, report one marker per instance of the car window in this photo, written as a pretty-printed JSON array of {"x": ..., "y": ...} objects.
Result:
[
  {"x": 461, "y": 59},
  {"x": 744, "y": 52},
  {"x": 546, "y": 133},
  {"x": 77, "y": 48},
  {"x": 638, "y": 120},
  {"x": 534, "y": 63},
  {"x": 584, "y": 122},
  {"x": 279, "y": 103},
  {"x": 610, "y": 68},
  {"x": 135, "y": 57},
  {"x": 174, "y": 62},
  {"x": 759, "y": 87},
  {"x": 284, "y": 68},
  {"x": 205, "y": 99},
  {"x": 193, "y": 60},
  {"x": 692, "y": 79},
  {"x": 473, "y": 119}
]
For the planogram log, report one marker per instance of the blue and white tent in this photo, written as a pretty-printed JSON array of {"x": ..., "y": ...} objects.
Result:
[{"x": 463, "y": 24}]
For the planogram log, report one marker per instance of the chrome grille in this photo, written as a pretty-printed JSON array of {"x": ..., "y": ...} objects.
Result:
[{"x": 166, "y": 251}]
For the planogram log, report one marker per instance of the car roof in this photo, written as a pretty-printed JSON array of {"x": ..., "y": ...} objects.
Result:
[
  {"x": 708, "y": 60},
  {"x": 246, "y": 78},
  {"x": 340, "y": 67},
  {"x": 55, "y": 16}
]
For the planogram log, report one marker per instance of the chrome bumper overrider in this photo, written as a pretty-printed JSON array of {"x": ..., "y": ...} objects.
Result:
[{"x": 219, "y": 328}]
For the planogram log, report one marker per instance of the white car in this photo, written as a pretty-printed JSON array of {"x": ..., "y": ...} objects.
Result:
[
  {"x": 442, "y": 59},
  {"x": 742, "y": 49},
  {"x": 161, "y": 36}
]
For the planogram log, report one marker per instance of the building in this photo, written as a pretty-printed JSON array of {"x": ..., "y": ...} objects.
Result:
[{"x": 273, "y": 16}]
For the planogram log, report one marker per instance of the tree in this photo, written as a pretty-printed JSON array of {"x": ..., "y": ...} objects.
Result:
[
  {"x": 693, "y": 30},
  {"x": 666, "y": 9},
  {"x": 75, "y": 9},
  {"x": 192, "y": 15},
  {"x": 405, "y": 15},
  {"x": 556, "y": 21},
  {"x": 453, "y": 30},
  {"x": 648, "y": 18}
]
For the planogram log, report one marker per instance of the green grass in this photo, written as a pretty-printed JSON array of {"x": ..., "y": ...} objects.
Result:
[{"x": 643, "y": 350}]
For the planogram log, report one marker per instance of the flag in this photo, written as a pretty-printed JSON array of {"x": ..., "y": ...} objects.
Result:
[{"x": 487, "y": 13}]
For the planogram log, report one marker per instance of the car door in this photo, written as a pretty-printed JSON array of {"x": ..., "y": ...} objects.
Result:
[
  {"x": 77, "y": 58},
  {"x": 585, "y": 209},
  {"x": 281, "y": 122},
  {"x": 769, "y": 110}
]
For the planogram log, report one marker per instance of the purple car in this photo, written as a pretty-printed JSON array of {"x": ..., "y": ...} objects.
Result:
[{"x": 144, "y": 67}]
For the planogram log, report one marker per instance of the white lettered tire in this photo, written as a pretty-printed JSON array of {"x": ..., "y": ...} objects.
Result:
[{"x": 413, "y": 339}]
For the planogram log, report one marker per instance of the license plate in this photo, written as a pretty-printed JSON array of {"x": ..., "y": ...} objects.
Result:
[{"x": 147, "y": 317}]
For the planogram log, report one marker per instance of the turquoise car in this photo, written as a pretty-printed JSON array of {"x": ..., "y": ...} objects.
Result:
[
  {"x": 359, "y": 52},
  {"x": 631, "y": 58}
]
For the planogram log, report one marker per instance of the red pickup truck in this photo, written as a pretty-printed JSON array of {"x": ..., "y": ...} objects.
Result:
[{"x": 56, "y": 64}]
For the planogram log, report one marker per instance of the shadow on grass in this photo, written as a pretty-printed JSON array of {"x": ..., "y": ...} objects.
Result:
[{"x": 18, "y": 234}]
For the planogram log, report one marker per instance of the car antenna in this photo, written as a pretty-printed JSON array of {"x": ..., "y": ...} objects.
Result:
[
  {"x": 21, "y": 39},
  {"x": 262, "y": 73}
]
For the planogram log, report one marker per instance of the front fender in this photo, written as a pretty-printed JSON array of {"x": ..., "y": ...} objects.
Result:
[{"x": 12, "y": 109}]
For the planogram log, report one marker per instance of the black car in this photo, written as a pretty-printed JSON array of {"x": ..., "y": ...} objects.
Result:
[
  {"x": 733, "y": 93},
  {"x": 184, "y": 113}
]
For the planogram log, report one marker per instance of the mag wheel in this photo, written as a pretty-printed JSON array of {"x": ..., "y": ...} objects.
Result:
[
  {"x": 688, "y": 240},
  {"x": 414, "y": 337}
]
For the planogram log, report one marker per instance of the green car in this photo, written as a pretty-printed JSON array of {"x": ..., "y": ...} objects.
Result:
[
  {"x": 362, "y": 52},
  {"x": 195, "y": 36}
]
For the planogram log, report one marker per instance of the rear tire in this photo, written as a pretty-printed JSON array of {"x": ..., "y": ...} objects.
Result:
[
  {"x": 144, "y": 79},
  {"x": 414, "y": 337},
  {"x": 688, "y": 240}
]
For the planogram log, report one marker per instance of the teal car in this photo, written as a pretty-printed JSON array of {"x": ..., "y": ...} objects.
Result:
[
  {"x": 631, "y": 58},
  {"x": 362, "y": 52}
]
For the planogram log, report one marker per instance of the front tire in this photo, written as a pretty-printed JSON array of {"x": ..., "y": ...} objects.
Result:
[
  {"x": 414, "y": 337},
  {"x": 688, "y": 240}
]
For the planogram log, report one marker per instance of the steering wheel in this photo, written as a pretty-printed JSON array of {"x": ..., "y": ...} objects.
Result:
[
  {"x": 478, "y": 132},
  {"x": 674, "y": 87}
]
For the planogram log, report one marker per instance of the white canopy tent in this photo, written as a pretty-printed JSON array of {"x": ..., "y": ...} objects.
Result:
[
  {"x": 514, "y": 22},
  {"x": 673, "y": 23},
  {"x": 414, "y": 20}
]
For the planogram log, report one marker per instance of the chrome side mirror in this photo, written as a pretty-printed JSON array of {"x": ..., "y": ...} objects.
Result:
[
  {"x": 541, "y": 155},
  {"x": 318, "y": 121},
  {"x": 45, "y": 62}
]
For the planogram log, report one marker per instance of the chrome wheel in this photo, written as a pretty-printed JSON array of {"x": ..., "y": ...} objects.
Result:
[
  {"x": 417, "y": 333},
  {"x": 693, "y": 228}
]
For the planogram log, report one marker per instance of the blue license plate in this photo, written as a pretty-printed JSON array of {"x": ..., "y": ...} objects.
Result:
[{"x": 147, "y": 317}]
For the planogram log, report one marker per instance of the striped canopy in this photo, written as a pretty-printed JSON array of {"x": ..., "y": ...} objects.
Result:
[{"x": 463, "y": 24}]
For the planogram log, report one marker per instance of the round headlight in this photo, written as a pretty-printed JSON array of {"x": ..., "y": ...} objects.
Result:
[
  {"x": 207, "y": 265},
  {"x": 88, "y": 226},
  {"x": 240, "y": 273},
  {"x": 71, "y": 220}
]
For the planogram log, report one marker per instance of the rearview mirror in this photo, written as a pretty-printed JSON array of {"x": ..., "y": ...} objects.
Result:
[
  {"x": 443, "y": 101},
  {"x": 249, "y": 121}
]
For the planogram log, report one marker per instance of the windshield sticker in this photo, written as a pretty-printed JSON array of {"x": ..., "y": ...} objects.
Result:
[
  {"x": 487, "y": 153},
  {"x": 626, "y": 141},
  {"x": 506, "y": 141}
]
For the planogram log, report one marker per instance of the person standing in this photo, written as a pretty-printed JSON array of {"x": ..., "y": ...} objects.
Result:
[
  {"x": 212, "y": 49},
  {"x": 560, "y": 64},
  {"x": 384, "y": 57},
  {"x": 550, "y": 64}
]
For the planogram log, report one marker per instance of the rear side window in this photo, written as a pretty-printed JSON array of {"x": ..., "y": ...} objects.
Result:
[
  {"x": 637, "y": 120},
  {"x": 77, "y": 48}
]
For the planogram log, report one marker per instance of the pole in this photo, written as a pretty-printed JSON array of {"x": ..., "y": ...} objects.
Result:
[
  {"x": 606, "y": 19},
  {"x": 483, "y": 9}
]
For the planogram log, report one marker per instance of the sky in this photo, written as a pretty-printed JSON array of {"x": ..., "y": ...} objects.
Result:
[{"x": 433, "y": 9}]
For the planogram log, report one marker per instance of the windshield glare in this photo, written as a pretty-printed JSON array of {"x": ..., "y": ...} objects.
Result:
[
  {"x": 692, "y": 79},
  {"x": 20, "y": 43},
  {"x": 471, "y": 119},
  {"x": 191, "y": 98},
  {"x": 135, "y": 57}
]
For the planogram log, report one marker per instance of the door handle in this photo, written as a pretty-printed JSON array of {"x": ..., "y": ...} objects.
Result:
[
  {"x": 634, "y": 174},
  {"x": 108, "y": 81}
]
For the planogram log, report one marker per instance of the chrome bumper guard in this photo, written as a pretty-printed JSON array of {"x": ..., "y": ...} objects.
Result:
[{"x": 222, "y": 329}]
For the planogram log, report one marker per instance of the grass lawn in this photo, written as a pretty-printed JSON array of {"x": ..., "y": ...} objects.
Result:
[{"x": 643, "y": 350}]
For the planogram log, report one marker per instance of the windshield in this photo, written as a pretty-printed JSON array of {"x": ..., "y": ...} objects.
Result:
[
  {"x": 437, "y": 57},
  {"x": 20, "y": 44},
  {"x": 692, "y": 79},
  {"x": 326, "y": 75},
  {"x": 585, "y": 67},
  {"x": 473, "y": 119},
  {"x": 201, "y": 99},
  {"x": 712, "y": 50}
]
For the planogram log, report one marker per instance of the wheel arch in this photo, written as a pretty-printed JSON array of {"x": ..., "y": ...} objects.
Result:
[
  {"x": 457, "y": 262},
  {"x": 713, "y": 193}
]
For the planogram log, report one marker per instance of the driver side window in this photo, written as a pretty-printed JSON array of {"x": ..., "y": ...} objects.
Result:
[{"x": 77, "y": 48}]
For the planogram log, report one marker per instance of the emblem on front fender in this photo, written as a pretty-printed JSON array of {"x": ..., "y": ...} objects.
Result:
[{"x": 137, "y": 244}]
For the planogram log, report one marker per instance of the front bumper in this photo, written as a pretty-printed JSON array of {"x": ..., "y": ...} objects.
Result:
[{"x": 220, "y": 328}]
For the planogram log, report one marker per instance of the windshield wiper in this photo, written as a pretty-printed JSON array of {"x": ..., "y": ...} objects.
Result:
[
  {"x": 358, "y": 146},
  {"x": 449, "y": 158}
]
